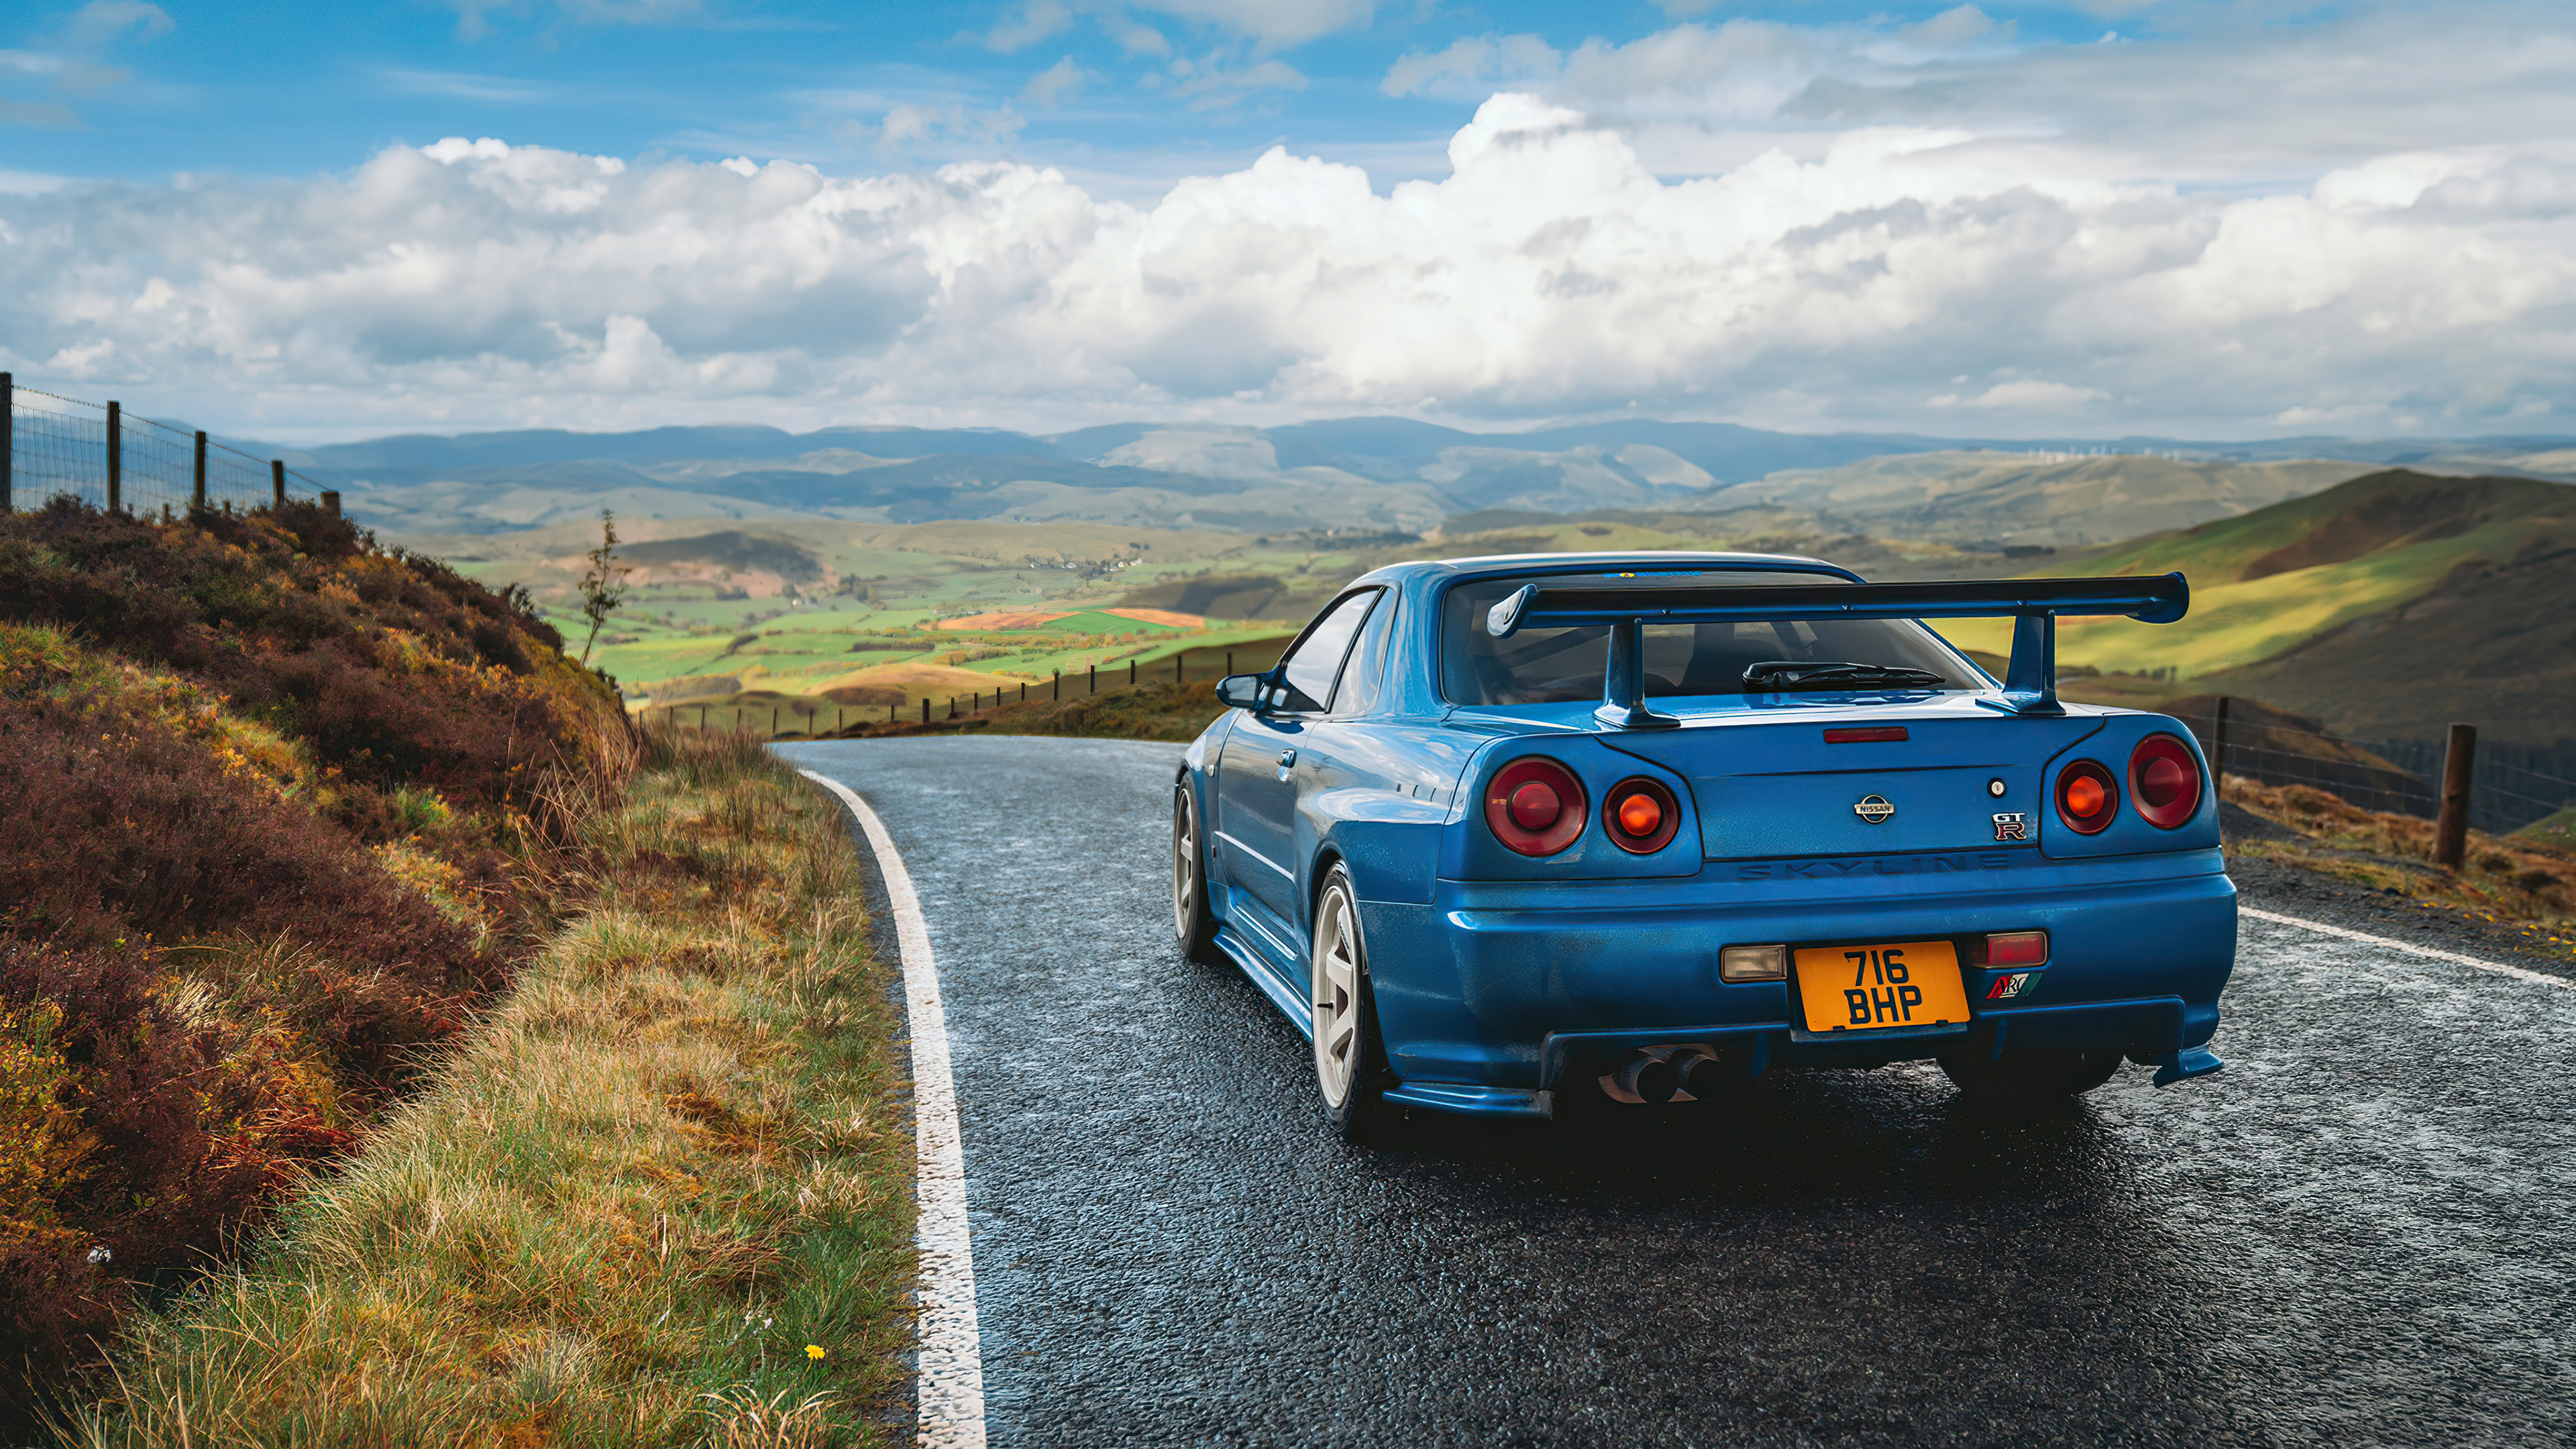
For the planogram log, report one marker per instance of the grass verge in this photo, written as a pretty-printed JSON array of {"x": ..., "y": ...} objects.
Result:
[
  {"x": 660, "y": 1195},
  {"x": 2524, "y": 885}
]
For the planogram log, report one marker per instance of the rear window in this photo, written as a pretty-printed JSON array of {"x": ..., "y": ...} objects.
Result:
[{"x": 1547, "y": 666}]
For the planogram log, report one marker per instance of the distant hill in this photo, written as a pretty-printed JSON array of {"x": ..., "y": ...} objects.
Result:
[
  {"x": 2027, "y": 496},
  {"x": 2389, "y": 605},
  {"x": 1362, "y": 473}
]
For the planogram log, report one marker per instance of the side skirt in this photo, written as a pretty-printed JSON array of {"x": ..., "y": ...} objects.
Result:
[{"x": 1255, "y": 963}]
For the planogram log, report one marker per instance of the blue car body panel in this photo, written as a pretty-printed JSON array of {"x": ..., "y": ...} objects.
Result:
[{"x": 1499, "y": 978}]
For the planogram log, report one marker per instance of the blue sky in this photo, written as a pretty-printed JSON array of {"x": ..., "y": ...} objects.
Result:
[
  {"x": 288, "y": 87},
  {"x": 2208, "y": 219}
]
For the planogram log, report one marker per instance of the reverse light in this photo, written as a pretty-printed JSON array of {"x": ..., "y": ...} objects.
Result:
[
  {"x": 2164, "y": 778},
  {"x": 1753, "y": 963},
  {"x": 2087, "y": 797},
  {"x": 2006, "y": 950},
  {"x": 1535, "y": 806},
  {"x": 1640, "y": 815}
]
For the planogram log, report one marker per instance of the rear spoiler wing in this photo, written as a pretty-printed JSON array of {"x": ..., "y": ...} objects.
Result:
[{"x": 2030, "y": 681}]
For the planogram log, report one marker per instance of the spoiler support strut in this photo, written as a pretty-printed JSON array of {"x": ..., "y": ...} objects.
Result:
[{"x": 2030, "y": 680}]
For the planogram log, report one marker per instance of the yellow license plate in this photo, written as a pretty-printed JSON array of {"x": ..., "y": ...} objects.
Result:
[{"x": 1872, "y": 988}]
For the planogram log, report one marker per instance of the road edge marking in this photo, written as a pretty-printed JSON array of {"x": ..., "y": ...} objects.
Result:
[
  {"x": 949, "y": 1373},
  {"x": 2541, "y": 978}
]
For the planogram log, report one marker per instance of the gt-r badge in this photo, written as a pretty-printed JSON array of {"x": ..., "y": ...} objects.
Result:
[
  {"x": 2009, "y": 987},
  {"x": 1873, "y": 808},
  {"x": 2012, "y": 825}
]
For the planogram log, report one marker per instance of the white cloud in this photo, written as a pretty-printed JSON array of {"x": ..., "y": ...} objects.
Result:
[
  {"x": 1981, "y": 267},
  {"x": 1270, "y": 22},
  {"x": 75, "y": 66},
  {"x": 1474, "y": 66},
  {"x": 1211, "y": 83},
  {"x": 1052, "y": 85},
  {"x": 1035, "y": 21},
  {"x": 2028, "y": 395}
]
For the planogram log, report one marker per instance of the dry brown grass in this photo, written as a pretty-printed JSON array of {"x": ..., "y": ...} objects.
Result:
[
  {"x": 2509, "y": 880},
  {"x": 674, "y": 1157}
]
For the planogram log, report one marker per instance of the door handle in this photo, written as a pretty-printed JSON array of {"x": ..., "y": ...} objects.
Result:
[{"x": 1287, "y": 758}]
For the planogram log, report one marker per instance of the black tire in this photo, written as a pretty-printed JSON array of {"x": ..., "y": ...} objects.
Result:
[
  {"x": 1193, "y": 923},
  {"x": 2027, "y": 1078},
  {"x": 1350, "y": 1056}
]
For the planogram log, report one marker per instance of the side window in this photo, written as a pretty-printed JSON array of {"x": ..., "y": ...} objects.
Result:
[
  {"x": 1310, "y": 668},
  {"x": 1364, "y": 678}
]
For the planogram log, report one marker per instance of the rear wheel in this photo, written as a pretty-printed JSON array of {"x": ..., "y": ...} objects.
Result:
[
  {"x": 2039, "y": 1075},
  {"x": 1350, "y": 1058},
  {"x": 1193, "y": 922}
]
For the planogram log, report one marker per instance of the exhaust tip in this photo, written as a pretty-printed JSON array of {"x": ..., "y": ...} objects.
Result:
[
  {"x": 1649, "y": 1079},
  {"x": 1706, "y": 1078}
]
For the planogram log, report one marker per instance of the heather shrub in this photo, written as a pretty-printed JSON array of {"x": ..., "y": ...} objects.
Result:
[
  {"x": 394, "y": 669},
  {"x": 271, "y": 800}
]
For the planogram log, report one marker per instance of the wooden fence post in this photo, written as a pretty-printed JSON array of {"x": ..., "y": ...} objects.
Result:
[
  {"x": 2451, "y": 827},
  {"x": 277, "y": 482},
  {"x": 1176, "y": 668},
  {"x": 1059, "y": 684},
  {"x": 1131, "y": 673},
  {"x": 2218, "y": 748},
  {"x": 115, "y": 457},
  {"x": 8, "y": 436},
  {"x": 925, "y": 709},
  {"x": 1229, "y": 662},
  {"x": 331, "y": 502},
  {"x": 201, "y": 471},
  {"x": 1093, "y": 670}
]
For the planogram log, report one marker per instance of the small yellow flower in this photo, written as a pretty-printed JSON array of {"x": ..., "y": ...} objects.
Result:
[{"x": 814, "y": 1351}]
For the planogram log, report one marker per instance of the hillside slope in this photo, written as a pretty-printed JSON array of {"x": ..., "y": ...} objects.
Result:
[
  {"x": 2048, "y": 500},
  {"x": 269, "y": 791},
  {"x": 2392, "y": 603}
]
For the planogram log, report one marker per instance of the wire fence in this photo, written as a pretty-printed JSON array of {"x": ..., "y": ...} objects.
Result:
[
  {"x": 2511, "y": 786},
  {"x": 101, "y": 455}
]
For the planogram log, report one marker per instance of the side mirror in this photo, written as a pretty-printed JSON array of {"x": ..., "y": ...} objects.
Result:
[{"x": 1243, "y": 691}]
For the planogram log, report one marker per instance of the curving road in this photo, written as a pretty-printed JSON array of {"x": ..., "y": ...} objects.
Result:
[{"x": 2360, "y": 1232}]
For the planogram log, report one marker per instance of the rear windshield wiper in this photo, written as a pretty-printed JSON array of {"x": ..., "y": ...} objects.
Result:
[{"x": 1777, "y": 674}]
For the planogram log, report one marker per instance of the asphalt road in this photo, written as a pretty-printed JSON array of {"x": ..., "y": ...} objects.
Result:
[{"x": 2360, "y": 1232}]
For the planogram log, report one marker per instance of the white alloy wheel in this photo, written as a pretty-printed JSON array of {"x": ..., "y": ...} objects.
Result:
[
  {"x": 1340, "y": 1011},
  {"x": 1193, "y": 919},
  {"x": 1185, "y": 862}
]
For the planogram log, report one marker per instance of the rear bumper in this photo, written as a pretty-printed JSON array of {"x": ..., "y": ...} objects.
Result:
[{"x": 1507, "y": 990}]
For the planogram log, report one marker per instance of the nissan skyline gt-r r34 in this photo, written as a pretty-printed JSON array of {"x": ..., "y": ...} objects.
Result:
[{"x": 1496, "y": 830}]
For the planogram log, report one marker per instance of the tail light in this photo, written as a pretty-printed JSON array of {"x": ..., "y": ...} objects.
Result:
[
  {"x": 2164, "y": 778},
  {"x": 1640, "y": 815},
  {"x": 2007, "y": 949},
  {"x": 1535, "y": 806},
  {"x": 2087, "y": 797}
]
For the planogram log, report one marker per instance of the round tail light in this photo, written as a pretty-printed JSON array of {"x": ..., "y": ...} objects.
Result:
[
  {"x": 2087, "y": 797},
  {"x": 2164, "y": 778},
  {"x": 1640, "y": 815},
  {"x": 1535, "y": 806}
]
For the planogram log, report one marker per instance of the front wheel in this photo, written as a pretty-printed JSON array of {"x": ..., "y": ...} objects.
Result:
[
  {"x": 2029, "y": 1077},
  {"x": 1193, "y": 922},
  {"x": 1350, "y": 1057}
]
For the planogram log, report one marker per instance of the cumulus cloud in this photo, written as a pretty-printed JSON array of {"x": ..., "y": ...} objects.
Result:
[{"x": 1956, "y": 271}]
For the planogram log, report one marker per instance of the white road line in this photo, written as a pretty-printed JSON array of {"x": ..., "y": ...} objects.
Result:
[
  {"x": 2498, "y": 967},
  {"x": 949, "y": 1396}
]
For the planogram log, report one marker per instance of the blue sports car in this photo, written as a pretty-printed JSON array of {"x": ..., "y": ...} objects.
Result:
[{"x": 1498, "y": 830}]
